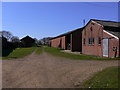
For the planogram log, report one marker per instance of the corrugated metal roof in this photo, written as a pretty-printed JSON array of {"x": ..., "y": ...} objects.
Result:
[
  {"x": 107, "y": 23},
  {"x": 115, "y": 33},
  {"x": 110, "y": 26}
]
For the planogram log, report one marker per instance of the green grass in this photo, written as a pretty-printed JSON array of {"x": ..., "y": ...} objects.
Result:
[
  {"x": 107, "y": 78},
  {"x": 39, "y": 50},
  {"x": 20, "y": 52},
  {"x": 57, "y": 52}
]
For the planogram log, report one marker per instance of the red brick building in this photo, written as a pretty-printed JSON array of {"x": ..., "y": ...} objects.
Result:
[
  {"x": 70, "y": 41},
  {"x": 97, "y": 37},
  {"x": 101, "y": 38}
]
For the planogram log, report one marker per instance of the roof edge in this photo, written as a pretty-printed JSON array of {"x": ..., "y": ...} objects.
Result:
[
  {"x": 64, "y": 34},
  {"x": 111, "y": 34},
  {"x": 104, "y": 20}
]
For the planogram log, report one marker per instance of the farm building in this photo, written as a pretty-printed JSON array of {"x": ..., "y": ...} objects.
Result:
[
  {"x": 97, "y": 37},
  {"x": 70, "y": 41},
  {"x": 101, "y": 38},
  {"x": 27, "y": 41}
]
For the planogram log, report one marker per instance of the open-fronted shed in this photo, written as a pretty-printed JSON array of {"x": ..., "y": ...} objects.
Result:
[{"x": 70, "y": 41}]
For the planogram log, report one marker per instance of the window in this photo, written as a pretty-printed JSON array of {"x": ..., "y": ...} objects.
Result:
[
  {"x": 91, "y": 41},
  {"x": 84, "y": 41},
  {"x": 85, "y": 32},
  {"x": 91, "y": 28},
  {"x": 99, "y": 40},
  {"x": 92, "y": 23}
]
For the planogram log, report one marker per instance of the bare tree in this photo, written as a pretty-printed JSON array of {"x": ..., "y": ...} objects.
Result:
[
  {"x": 39, "y": 42},
  {"x": 6, "y": 34},
  {"x": 45, "y": 40},
  {"x": 36, "y": 41},
  {"x": 15, "y": 39}
]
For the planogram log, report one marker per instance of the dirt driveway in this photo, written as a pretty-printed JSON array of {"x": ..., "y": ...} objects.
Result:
[{"x": 47, "y": 71}]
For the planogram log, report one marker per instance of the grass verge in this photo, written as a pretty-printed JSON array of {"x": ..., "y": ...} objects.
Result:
[
  {"x": 39, "y": 50},
  {"x": 20, "y": 52},
  {"x": 57, "y": 52},
  {"x": 108, "y": 78}
]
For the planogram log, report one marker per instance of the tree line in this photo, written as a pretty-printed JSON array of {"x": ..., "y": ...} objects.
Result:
[{"x": 10, "y": 42}]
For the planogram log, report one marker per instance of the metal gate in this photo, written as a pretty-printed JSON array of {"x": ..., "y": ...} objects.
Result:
[{"x": 105, "y": 47}]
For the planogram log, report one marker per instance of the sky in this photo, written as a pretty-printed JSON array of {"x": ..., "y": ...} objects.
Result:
[{"x": 49, "y": 19}]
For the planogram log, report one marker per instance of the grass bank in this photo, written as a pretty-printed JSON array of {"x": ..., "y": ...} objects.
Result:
[
  {"x": 108, "y": 78},
  {"x": 57, "y": 52},
  {"x": 20, "y": 52}
]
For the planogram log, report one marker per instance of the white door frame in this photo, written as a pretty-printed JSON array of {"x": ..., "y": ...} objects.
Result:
[{"x": 106, "y": 47}]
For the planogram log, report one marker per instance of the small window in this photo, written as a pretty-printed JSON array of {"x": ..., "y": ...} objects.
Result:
[
  {"x": 91, "y": 41},
  {"x": 99, "y": 40},
  {"x": 93, "y": 24},
  {"x": 84, "y": 41},
  {"x": 91, "y": 29},
  {"x": 85, "y": 32}
]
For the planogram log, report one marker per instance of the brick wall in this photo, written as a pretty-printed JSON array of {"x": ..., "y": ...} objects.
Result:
[
  {"x": 55, "y": 42},
  {"x": 63, "y": 42},
  {"x": 113, "y": 42},
  {"x": 96, "y": 31},
  {"x": 58, "y": 42},
  {"x": 97, "y": 49}
]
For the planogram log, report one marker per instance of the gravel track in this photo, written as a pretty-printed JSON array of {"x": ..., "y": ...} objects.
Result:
[{"x": 47, "y": 71}]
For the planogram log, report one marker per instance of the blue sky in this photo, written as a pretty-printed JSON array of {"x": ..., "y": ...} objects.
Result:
[{"x": 49, "y": 19}]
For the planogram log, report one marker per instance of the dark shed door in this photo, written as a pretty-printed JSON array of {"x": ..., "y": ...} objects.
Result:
[{"x": 105, "y": 47}]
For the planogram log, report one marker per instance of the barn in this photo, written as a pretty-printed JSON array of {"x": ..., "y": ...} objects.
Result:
[
  {"x": 27, "y": 41},
  {"x": 101, "y": 38},
  {"x": 69, "y": 41}
]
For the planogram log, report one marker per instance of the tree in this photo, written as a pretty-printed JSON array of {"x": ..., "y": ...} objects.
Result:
[
  {"x": 15, "y": 39},
  {"x": 39, "y": 42},
  {"x": 45, "y": 40},
  {"x": 4, "y": 42},
  {"x": 36, "y": 41},
  {"x": 6, "y": 34}
]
